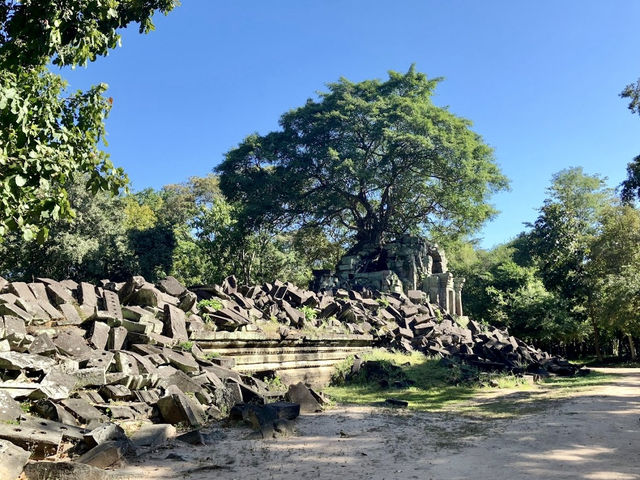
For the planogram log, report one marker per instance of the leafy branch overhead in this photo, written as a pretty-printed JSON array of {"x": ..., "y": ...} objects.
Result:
[
  {"x": 49, "y": 134},
  {"x": 377, "y": 158}
]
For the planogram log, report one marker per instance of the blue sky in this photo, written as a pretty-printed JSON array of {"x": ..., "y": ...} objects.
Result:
[{"x": 540, "y": 81}]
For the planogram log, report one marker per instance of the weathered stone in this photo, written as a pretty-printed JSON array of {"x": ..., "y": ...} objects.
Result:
[
  {"x": 194, "y": 437},
  {"x": 40, "y": 442},
  {"x": 112, "y": 304},
  {"x": 71, "y": 315},
  {"x": 147, "y": 296},
  {"x": 87, "y": 295},
  {"x": 174, "y": 323},
  {"x": 43, "y": 345},
  {"x": 22, "y": 290},
  {"x": 182, "y": 361},
  {"x": 125, "y": 363},
  {"x": 117, "y": 337},
  {"x": 301, "y": 395},
  {"x": 187, "y": 301},
  {"x": 171, "y": 286},
  {"x": 175, "y": 407},
  {"x": 153, "y": 435},
  {"x": 100, "y": 335},
  {"x": 20, "y": 361},
  {"x": 15, "y": 311},
  {"x": 72, "y": 344},
  {"x": 105, "y": 433},
  {"x": 9, "y": 408},
  {"x": 83, "y": 411},
  {"x": 64, "y": 471},
  {"x": 13, "y": 461},
  {"x": 58, "y": 294},
  {"x": 14, "y": 329}
]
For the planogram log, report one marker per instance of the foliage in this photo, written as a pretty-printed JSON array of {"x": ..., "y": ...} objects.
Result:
[
  {"x": 93, "y": 246},
  {"x": 632, "y": 93},
  {"x": 213, "y": 303},
  {"x": 310, "y": 313},
  {"x": 48, "y": 134},
  {"x": 185, "y": 346},
  {"x": 375, "y": 158}
]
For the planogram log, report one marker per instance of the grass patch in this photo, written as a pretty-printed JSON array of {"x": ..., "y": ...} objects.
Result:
[{"x": 438, "y": 386}]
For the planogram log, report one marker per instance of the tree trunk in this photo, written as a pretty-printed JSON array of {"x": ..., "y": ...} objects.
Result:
[
  {"x": 632, "y": 347},
  {"x": 596, "y": 341}
]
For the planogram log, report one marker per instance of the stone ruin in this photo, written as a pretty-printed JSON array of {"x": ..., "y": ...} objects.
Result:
[{"x": 407, "y": 264}]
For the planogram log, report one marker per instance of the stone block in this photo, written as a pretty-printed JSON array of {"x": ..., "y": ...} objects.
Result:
[
  {"x": 25, "y": 361},
  {"x": 176, "y": 407},
  {"x": 65, "y": 471},
  {"x": 40, "y": 442},
  {"x": 71, "y": 315},
  {"x": 300, "y": 394},
  {"x": 10, "y": 410},
  {"x": 153, "y": 435},
  {"x": 171, "y": 286},
  {"x": 13, "y": 461},
  {"x": 99, "y": 335},
  {"x": 72, "y": 344},
  {"x": 58, "y": 294},
  {"x": 174, "y": 323}
]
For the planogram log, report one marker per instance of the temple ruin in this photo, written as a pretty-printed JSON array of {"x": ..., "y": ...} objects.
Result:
[{"x": 407, "y": 264}]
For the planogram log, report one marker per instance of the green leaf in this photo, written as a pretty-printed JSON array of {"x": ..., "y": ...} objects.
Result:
[{"x": 20, "y": 180}]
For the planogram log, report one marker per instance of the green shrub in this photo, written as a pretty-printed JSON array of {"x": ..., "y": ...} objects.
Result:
[{"x": 213, "y": 303}]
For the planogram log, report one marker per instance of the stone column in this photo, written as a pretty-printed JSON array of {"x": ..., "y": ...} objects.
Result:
[
  {"x": 457, "y": 287},
  {"x": 446, "y": 291}
]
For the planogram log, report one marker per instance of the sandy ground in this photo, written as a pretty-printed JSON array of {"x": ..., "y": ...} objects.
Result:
[{"x": 591, "y": 435}]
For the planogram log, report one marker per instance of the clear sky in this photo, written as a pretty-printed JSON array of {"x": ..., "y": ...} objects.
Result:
[{"x": 539, "y": 79}]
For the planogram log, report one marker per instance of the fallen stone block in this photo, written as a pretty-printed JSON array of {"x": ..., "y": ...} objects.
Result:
[
  {"x": 13, "y": 461},
  {"x": 10, "y": 410},
  {"x": 175, "y": 407},
  {"x": 174, "y": 323},
  {"x": 40, "y": 442},
  {"x": 153, "y": 435},
  {"x": 301, "y": 395},
  {"x": 64, "y": 471},
  {"x": 25, "y": 361}
]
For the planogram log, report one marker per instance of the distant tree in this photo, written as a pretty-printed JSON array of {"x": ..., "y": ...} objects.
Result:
[
  {"x": 93, "y": 246},
  {"x": 375, "y": 158},
  {"x": 47, "y": 134},
  {"x": 561, "y": 239},
  {"x": 615, "y": 266},
  {"x": 632, "y": 93}
]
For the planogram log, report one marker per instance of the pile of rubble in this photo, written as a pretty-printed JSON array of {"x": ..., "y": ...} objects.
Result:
[{"x": 75, "y": 357}]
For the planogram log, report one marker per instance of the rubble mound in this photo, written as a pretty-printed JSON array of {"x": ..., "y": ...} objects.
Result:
[{"x": 75, "y": 357}]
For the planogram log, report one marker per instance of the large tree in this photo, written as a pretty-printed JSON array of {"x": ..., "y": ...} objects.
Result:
[
  {"x": 377, "y": 158},
  {"x": 47, "y": 134}
]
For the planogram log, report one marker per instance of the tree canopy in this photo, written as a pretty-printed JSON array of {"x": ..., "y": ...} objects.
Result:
[
  {"x": 48, "y": 134},
  {"x": 376, "y": 158}
]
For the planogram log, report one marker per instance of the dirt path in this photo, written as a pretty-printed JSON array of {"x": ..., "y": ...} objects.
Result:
[{"x": 592, "y": 435}]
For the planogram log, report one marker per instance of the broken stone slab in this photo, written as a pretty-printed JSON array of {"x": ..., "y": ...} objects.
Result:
[
  {"x": 153, "y": 435},
  {"x": 64, "y": 471},
  {"x": 174, "y": 323},
  {"x": 22, "y": 290},
  {"x": 25, "y": 361},
  {"x": 300, "y": 394},
  {"x": 40, "y": 442},
  {"x": 171, "y": 286},
  {"x": 105, "y": 433},
  {"x": 112, "y": 304},
  {"x": 187, "y": 301},
  {"x": 105, "y": 455},
  {"x": 83, "y": 411},
  {"x": 69, "y": 431},
  {"x": 59, "y": 294},
  {"x": 43, "y": 345},
  {"x": 176, "y": 407},
  {"x": 194, "y": 437},
  {"x": 182, "y": 361},
  {"x": 13, "y": 461},
  {"x": 147, "y": 296},
  {"x": 10, "y": 410},
  {"x": 72, "y": 344},
  {"x": 87, "y": 295},
  {"x": 117, "y": 337},
  {"x": 100, "y": 335},
  {"x": 71, "y": 315},
  {"x": 16, "y": 311}
]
